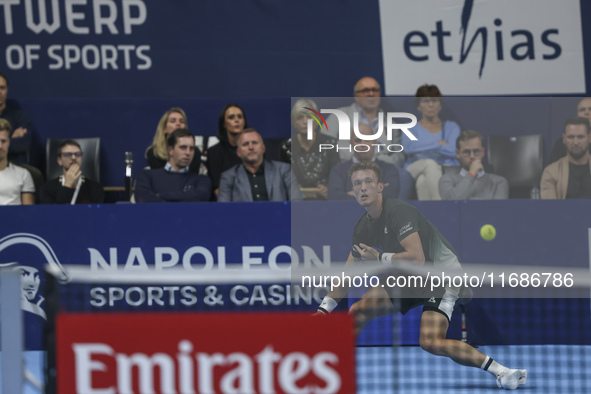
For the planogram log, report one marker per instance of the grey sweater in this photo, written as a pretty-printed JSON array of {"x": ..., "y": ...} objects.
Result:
[{"x": 462, "y": 186}]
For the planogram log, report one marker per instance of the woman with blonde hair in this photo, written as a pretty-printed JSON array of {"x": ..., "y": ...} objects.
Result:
[{"x": 157, "y": 154}]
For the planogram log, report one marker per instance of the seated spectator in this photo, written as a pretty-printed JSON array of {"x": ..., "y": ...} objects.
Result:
[
  {"x": 222, "y": 156},
  {"x": 472, "y": 182},
  {"x": 435, "y": 145},
  {"x": 71, "y": 187},
  {"x": 174, "y": 182},
  {"x": 157, "y": 153},
  {"x": 366, "y": 92},
  {"x": 570, "y": 177},
  {"x": 16, "y": 183},
  {"x": 255, "y": 179},
  {"x": 398, "y": 183},
  {"x": 21, "y": 137},
  {"x": 310, "y": 165},
  {"x": 584, "y": 111}
]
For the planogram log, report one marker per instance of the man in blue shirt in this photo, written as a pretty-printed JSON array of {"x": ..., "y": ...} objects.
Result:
[{"x": 174, "y": 182}]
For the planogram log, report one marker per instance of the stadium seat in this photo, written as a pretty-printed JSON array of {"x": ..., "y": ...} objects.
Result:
[{"x": 519, "y": 159}]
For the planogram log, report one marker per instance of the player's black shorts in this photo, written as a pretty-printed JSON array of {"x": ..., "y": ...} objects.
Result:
[{"x": 437, "y": 301}]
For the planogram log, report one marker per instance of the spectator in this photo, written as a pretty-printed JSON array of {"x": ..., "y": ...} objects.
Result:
[
  {"x": 174, "y": 182},
  {"x": 157, "y": 153},
  {"x": 435, "y": 144},
  {"x": 222, "y": 156},
  {"x": 367, "y": 103},
  {"x": 398, "y": 183},
  {"x": 584, "y": 111},
  {"x": 20, "y": 140},
  {"x": 16, "y": 183},
  {"x": 570, "y": 177},
  {"x": 255, "y": 179},
  {"x": 71, "y": 187},
  {"x": 472, "y": 182},
  {"x": 310, "y": 165}
]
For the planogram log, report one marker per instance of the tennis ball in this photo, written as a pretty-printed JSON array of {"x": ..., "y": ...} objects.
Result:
[{"x": 488, "y": 232}]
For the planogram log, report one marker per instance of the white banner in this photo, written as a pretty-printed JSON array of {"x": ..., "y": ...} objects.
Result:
[{"x": 482, "y": 47}]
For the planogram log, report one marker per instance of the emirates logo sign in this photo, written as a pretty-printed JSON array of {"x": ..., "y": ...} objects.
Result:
[{"x": 206, "y": 353}]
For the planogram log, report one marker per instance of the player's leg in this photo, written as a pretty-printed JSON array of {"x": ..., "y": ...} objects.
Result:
[
  {"x": 375, "y": 303},
  {"x": 433, "y": 339}
]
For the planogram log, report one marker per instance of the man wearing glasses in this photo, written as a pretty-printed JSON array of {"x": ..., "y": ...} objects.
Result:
[
  {"x": 71, "y": 187},
  {"x": 367, "y": 93},
  {"x": 472, "y": 182}
]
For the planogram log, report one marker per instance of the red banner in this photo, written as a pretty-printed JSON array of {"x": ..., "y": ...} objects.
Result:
[{"x": 204, "y": 353}]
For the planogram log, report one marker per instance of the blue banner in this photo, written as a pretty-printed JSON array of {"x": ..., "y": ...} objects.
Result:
[{"x": 202, "y": 237}]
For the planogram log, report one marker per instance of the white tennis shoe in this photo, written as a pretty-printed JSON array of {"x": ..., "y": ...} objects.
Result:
[{"x": 510, "y": 379}]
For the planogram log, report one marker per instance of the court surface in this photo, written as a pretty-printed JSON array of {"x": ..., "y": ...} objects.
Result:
[{"x": 551, "y": 369}]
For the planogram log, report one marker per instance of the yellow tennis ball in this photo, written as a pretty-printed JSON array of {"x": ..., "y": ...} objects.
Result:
[{"x": 488, "y": 232}]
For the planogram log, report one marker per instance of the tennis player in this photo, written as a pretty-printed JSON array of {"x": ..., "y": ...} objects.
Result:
[{"x": 403, "y": 233}]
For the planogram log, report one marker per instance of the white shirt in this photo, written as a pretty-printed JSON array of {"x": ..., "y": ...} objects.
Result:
[{"x": 14, "y": 180}]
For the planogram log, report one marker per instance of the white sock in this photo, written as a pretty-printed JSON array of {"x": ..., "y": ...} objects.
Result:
[{"x": 492, "y": 366}]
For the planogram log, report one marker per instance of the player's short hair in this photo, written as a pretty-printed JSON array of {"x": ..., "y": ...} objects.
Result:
[
  {"x": 5, "y": 126},
  {"x": 176, "y": 134},
  {"x": 366, "y": 165},
  {"x": 250, "y": 130},
  {"x": 468, "y": 135},
  {"x": 66, "y": 143},
  {"x": 577, "y": 120}
]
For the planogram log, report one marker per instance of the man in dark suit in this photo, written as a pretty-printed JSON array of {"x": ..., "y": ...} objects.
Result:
[{"x": 255, "y": 179}]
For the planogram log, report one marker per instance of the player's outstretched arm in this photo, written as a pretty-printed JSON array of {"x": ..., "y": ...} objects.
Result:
[{"x": 336, "y": 294}]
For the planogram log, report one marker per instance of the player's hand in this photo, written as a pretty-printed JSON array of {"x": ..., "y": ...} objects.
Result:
[
  {"x": 19, "y": 133},
  {"x": 367, "y": 252},
  {"x": 318, "y": 313},
  {"x": 322, "y": 191},
  {"x": 441, "y": 142},
  {"x": 72, "y": 176},
  {"x": 476, "y": 167}
]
